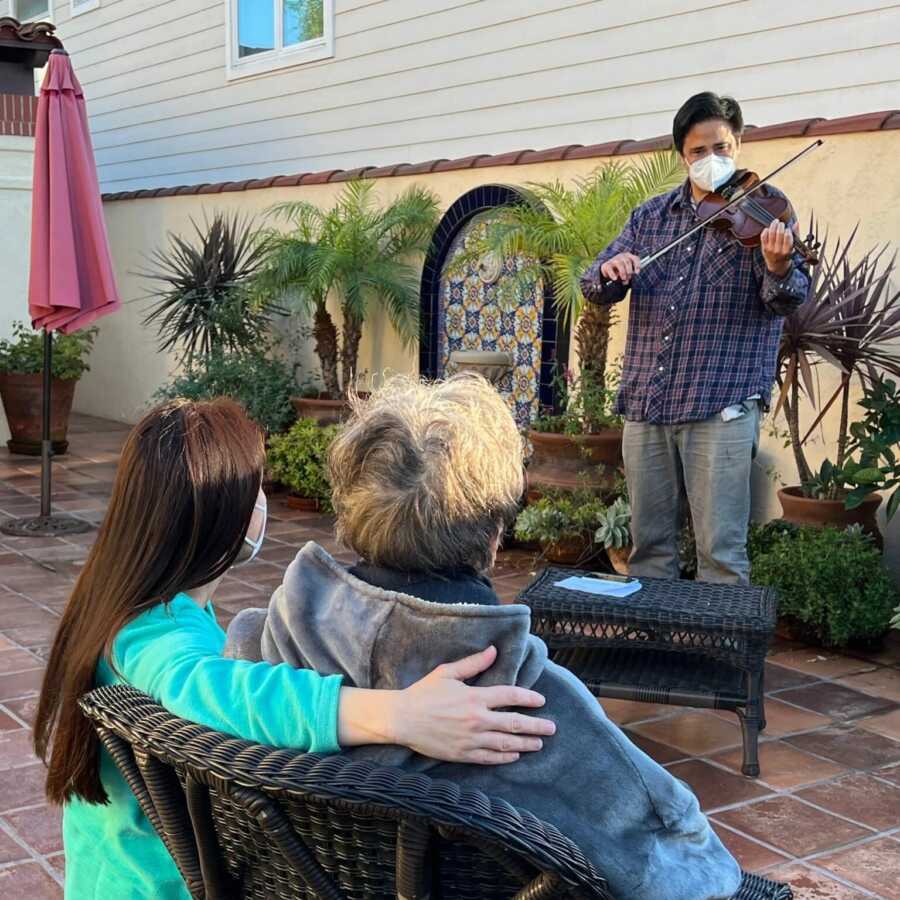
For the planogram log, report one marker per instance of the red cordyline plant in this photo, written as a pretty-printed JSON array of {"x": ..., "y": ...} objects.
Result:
[{"x": 851, "y": 320}]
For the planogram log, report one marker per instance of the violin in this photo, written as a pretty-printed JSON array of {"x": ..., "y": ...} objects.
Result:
[
  {"x": 746, "y": 221},
  {"x": 744, "y": 207}
]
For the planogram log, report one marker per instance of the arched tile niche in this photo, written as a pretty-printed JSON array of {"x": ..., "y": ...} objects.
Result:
[{"x": 465, "y": 307}]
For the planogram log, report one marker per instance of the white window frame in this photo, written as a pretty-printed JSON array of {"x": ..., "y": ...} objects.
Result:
[
  {"x": 81, "y": 8},
  {"x": 281, "y": 57},
  {"x": 14, "y": 12}
]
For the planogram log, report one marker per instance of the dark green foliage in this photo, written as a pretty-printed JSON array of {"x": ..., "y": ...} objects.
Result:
[
  {"x": 261, "y": 385},
  {"x": 831, "y": 583},
  {"x": 24, "y": 354},
  {"x": 203, "y": 302},
  {"x": 298, "y": 460}
]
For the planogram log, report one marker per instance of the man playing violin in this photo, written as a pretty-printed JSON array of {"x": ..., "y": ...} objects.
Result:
[{"x": 704, "y": 326}]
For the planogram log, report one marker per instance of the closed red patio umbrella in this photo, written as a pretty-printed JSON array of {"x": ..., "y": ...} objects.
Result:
[{"x": 71, "y": 281}]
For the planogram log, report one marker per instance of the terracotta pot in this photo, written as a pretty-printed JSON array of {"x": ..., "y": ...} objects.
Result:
[
  {"x": 801, "y": 510},
  {"x": 22, "y": 400},
  {"x": 307, "y": 504},
  {"x": 570, "y": 551},
  {"x": 618, "y": 558},
  {"x": 322, "y": 409},
  {"x": 569, "y": 462}
]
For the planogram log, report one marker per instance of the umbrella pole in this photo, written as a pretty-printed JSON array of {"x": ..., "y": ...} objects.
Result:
[
  {"x": 46, "y": 444},
  {"x": 45, "y": 525}
]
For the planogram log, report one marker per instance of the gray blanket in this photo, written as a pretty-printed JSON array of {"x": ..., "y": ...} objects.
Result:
[{"x": 641, "y": 827}]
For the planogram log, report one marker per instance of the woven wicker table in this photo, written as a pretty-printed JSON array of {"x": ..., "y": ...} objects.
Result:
[{"x": 680, "y": 642}]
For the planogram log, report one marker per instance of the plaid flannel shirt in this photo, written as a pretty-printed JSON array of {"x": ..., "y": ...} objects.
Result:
[{"x": 704, "y": 320}]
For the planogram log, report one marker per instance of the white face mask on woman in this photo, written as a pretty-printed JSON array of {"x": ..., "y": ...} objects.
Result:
[
  {"x": 712, "y": 171},
  {"x": 245, "y": 555}
]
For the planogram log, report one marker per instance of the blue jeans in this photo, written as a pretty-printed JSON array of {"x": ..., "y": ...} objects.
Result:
[{"x": 708, "y": 463}]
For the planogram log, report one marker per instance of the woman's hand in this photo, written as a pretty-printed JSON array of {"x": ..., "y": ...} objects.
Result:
[{"x": 443, "y": 718}]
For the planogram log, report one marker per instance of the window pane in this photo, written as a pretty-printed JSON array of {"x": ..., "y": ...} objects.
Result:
[
  {"x": 256, "y": 26},
  {"x": 304, "y": 20},
  {"x": 32, "y": 9}
]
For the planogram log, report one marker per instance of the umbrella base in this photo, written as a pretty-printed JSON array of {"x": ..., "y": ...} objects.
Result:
[
  {"x": 44, "y": 526},
  {"x": 33, "y": 448}
]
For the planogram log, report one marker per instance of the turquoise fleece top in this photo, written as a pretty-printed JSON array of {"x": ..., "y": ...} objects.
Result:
[{"x": 174, "y": 653}]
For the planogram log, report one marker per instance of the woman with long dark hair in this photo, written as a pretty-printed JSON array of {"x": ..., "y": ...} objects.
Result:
[{"x": 186, "y": 505}]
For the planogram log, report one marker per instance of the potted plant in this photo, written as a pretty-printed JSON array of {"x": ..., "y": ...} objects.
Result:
[
  {"x": 614, "y": 534},
  {"x": 298, "y": 460},
  {"x": 21, "y": 385},
  {"x": 563, "y": 523},
  {"x": 358, "y": 253},
  {"x": 833, "y": 588},
  {"x": 201, "y": 301},
  {"x": 559, "y": 234},
  {"x": 850, "y": 320}
]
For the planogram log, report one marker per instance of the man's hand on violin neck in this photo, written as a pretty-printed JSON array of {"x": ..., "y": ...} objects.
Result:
[
  {"x": 777, "y": 245},
  {"x": 621, "y": 267}
]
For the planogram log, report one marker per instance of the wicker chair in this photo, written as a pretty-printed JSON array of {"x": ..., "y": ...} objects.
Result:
[{"x": 246, "y": 821}]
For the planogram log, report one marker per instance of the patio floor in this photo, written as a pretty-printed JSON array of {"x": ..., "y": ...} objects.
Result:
[{"x": 824, "y": 816}]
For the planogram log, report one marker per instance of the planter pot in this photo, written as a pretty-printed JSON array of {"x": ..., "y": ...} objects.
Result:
[
  {"x": 618, "y": 558},
  {"x": 571, "y": 551},
  {"x": 570, "y": 462},
  {"x": 800, "y": 510},
  {"x": 323, "y": 410},
  {"x": 307, "y": 504},
  {"x": 22, "y": 400}
]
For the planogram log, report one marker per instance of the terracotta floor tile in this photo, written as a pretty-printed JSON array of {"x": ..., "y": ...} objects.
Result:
[
  {"x": 25, "y": 708},
  {"x": 820, "y": 663},
  {"x": 21, "y": 684},
  {"x": 752, "y": 856},
  {"x": 782, "y": 718},
  {"x": 887, "y": 724},
  {"x": 28, "y": 882},
  {"x": 779, "y": 677},
  {"x": 874, "y": 865},
  {"x": 696, "y": 733},
  {"x": 891, "y": 773},
  {"x": 662, "y": 753},
  {"x": 832, "y": 699},
  {"x": 26, "y": 614},
  {"x": 717, "y": 787},
  {"x": 859, "y": 797},
  {"x": 791, "y": 826},
  {"x": 16, "y": 661},
  {"x": 8, "y": 723},
  {"x": 10, "y": 851},
  {"x": 849, "y": 746},
  {"x": 16, "y": 750},
  {"x": 880, "y": 683},
  {"x": 783, "y": 767},
  {"x": 811, "y": 885},
  {"x": 22, "y": 787},
  {"x": 33, "y": 635},
  {"x": 40, "y": 827},
  {"x": 624, "y": 712},
  {"x": 58, "y": 861}
]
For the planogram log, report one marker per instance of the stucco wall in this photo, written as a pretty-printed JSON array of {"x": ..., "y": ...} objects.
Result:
[
  {"x": 16, "y": 159},
  {"x": 850, "y": 180}
]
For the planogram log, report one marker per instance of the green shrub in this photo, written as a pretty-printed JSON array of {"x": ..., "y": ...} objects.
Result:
[
  {"x": 24, "y": 354},
  {"x": 297, "y": 459},
  {"x": 261, "y": 385},
  {"x": 831, "y": 583},
  {"x": 560, "y": 515}
]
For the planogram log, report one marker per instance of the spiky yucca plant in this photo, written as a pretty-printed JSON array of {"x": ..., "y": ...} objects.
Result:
[
  {"x": 358, "y": 251},
  {"x": 561, "y": 231},
  {"x": 202, "y": 302}
]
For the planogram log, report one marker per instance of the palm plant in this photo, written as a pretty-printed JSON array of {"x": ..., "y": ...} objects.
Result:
[
  {"x": 560, "y": 230},
  {"x": 202, "y": 302},
  {"x": 360, "y": 253},
  {"x": 851, "y": 320}
]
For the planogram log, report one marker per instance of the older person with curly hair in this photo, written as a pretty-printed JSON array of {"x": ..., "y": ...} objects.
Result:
[{"x": 425, "y": 478}]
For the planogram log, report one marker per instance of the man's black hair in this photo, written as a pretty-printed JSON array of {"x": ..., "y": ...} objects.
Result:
[{"x": 702, "y": 108}]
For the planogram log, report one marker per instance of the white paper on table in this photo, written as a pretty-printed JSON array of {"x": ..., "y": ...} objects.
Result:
[{"x": 599, "y": 586}]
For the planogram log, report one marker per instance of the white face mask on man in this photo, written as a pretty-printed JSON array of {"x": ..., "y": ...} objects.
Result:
[
  {"x": 255, "y": 544},
  {"x": 712, "y": 171}
]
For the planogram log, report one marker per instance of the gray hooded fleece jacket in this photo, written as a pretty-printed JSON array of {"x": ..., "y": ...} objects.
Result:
[{"x": 640, "y": 827}]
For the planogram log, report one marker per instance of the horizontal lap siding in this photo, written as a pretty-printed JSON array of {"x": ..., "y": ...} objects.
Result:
[{"x": 416, "y": 79}]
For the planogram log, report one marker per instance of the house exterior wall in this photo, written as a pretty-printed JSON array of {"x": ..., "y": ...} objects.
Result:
[
  {"x": 416, "y": 79},
  {"x": 850, "y": 180}
]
